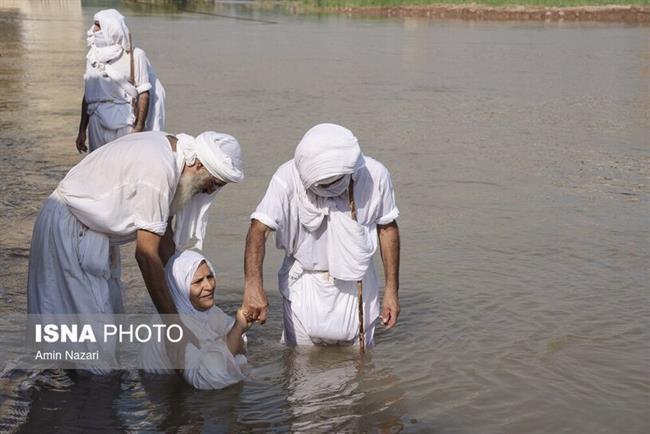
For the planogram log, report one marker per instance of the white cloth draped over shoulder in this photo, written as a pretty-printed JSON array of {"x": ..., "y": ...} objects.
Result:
[
  {"x": 326, "y": 250},
  {"x": 221, "y": 155},
  {"x": 213, "y": 366}
]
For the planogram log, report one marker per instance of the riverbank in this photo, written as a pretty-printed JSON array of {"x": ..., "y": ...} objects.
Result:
[
  {"x": 611, "y": 13},
  {"x": 633, "y": 12}
]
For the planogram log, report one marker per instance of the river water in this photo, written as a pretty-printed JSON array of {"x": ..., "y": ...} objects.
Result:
[{"x": 520, "y": 157}]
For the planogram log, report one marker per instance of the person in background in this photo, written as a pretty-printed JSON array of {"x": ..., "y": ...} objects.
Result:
[{"x": 118, "y": 85}]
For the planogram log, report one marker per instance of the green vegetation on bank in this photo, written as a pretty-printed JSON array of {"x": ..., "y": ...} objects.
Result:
[{"x": 396, "y": 3}]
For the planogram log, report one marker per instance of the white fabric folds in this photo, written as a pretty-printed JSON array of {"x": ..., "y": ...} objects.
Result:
[
  {"x": 325, "y": 152},
  {"x": 221, "y": 155},
  {"x": 108, "y": 43},
  {"x": 212, "y": 366},
  {"x": 179, "y": 272}
]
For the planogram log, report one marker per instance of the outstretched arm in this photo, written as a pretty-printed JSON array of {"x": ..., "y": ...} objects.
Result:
[
  {"x": 153, "y": 272},
  {"x": 389, "y": 245},
  {"x": 255, "y": 303},
  {"x": 147, "y": 255},
  {"x": 234, "y": 339},
  {"x": 83, "y": 125}
]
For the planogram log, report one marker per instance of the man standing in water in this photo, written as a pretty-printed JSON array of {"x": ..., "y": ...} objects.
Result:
[
  {"x": 127, "y": 190},
  {"x": 118, "y": 90},
  {"x": 308, "y": 205}
]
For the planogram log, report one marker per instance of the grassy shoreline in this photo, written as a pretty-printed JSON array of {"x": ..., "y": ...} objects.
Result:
[
  {"x": 635, "y": 11},
  {"x": 328, "y": 4},
  {"x": 616, "y": 11}
]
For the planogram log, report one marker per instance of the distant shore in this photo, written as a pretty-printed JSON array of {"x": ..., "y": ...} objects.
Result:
[
  {"x": 621, "y": 14},
  {"x": 618, "y": 11}
]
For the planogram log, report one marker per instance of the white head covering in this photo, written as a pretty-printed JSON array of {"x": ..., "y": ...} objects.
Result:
[
  {"x": 326, "y": 152},
  {"x": 221, "y": 155},
  {"x": 179, "y": 272},
  {"x": 111, "y": 40}
]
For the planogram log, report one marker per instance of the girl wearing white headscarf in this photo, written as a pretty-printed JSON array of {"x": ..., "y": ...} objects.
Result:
[
  {"x": 109, "y": 95},
  {"x": 218, "y": 363}
]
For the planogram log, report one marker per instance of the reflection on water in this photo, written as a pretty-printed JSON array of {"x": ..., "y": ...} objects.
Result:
[{"x": 520, "y": 158}]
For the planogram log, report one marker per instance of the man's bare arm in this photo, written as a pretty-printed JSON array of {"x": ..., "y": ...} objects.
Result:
[
  {"x": 83, "y": 126},
  {"x": 389, "y": 244},
  {"x": 143, "y": 109},
  {"x": 147, "y": 245},
  {"x": 167, "y": 246},
  {"x": 255, "y": 303},
  {"x": 153, "y": 270}
]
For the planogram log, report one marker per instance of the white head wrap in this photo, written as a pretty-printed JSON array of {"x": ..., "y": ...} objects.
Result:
[
  {"x": 328, "y": 151},
  {"x": 221, "y": 156},
  {"x": 179, "y": 272},
  {"x": 112, "y": 38},
  {"x": 325, "y": 151}
]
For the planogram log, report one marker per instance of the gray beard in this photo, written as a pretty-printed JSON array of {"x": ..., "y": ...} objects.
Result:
[
  {"x": 187, "y": 187},
  {"x": 184, "y": 193}
]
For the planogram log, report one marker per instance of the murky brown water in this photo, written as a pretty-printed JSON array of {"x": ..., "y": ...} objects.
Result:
[{"x": 520, "y": 155}]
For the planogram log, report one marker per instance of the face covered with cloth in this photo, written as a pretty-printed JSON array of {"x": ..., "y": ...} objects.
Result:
[
  {"x": 326, "y": 160},
  {"x": 108, "y": 37}
]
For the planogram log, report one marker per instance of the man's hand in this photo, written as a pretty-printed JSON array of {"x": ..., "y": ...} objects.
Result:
[
  {"x": 389, "y": 308},
  {"x": 389, "y": 247},
  {"x": 255, "y": 304},
  {"x": 81, "y": 142}
]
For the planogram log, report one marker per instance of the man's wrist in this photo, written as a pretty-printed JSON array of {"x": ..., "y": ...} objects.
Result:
[{"x": 390, "y": 289}]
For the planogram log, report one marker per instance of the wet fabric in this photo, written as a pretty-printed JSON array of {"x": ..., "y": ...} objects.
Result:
[
  {"x": 72, "y": 271},
  {"x": 308, "y": 252}
]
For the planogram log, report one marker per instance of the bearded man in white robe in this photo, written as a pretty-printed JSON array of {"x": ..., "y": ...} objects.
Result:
[
  {"x": 116, "y": 84},
  {"x": 128, "y": 190},
  {"x": 307, "y": 205}
]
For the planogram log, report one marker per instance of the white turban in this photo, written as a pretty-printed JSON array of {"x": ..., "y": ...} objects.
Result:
[
  {"x": 221, "y": 155},
  {"x": 326, "y": 152},
  {"x": 179, "y": 272},
  {"x": 112, "y": 38}
]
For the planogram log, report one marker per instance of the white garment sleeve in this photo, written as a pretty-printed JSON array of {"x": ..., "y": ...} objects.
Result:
[
  {"x": 387, "y": 207},
  {"x": 151, "y": 209},
  {"x": 140, "y": 72},
  {"x": 213, "y": 366},
  {"x": 274, "y": 210}
]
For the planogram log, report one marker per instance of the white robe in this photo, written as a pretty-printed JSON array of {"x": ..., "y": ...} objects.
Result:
[
  {"x": 210, "y": 368},
  {"x": 109, "y": 104},
  {"x": 317, "y": 307},
  {"x": 102, "y": 201}
]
